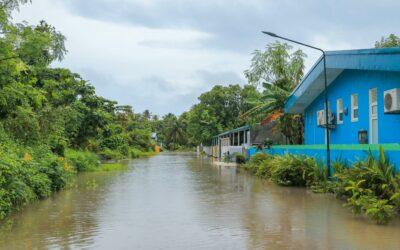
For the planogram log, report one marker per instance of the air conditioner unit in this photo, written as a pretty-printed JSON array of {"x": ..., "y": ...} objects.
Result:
[
  {"x": 321, "y": 119},
  {"x": 391, "y": 99}
]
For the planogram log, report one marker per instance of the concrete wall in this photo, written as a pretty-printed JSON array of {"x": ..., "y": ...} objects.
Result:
[{"x": 348, "y": 83}]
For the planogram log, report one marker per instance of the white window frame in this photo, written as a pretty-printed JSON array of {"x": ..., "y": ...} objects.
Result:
[
  {"x": 353, "y": 108},
  {"x": 339, "y": 110}
]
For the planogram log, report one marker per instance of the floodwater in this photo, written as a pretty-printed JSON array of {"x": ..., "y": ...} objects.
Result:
[{"x": 179, "y": 201}]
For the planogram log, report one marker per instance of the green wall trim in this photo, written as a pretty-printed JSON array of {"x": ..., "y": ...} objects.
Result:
[{"x": 365, "y": 147}]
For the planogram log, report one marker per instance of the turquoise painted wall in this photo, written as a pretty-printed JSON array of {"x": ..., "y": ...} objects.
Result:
[
  {"x": 348, "y": 83},
  {"x": 348, "y": 153}
]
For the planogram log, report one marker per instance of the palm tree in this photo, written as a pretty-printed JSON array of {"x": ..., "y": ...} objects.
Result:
[{"x": 175, "y": 133}]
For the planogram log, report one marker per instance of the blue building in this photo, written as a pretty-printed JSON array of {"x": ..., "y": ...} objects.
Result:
[{"x": 363, "y": 101}]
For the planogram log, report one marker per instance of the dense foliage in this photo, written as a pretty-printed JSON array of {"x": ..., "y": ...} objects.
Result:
[
  {"x": 388, "y": 42},
  {"x": 52, "y": 123},
  {"x": 28, "y": 173},
  {"x": 369, "y": 187}
]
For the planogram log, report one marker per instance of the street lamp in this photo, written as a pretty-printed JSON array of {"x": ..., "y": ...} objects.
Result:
[{"x": 328, "y": 151}]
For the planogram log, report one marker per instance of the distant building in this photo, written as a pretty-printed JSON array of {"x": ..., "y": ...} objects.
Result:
[{"x": 239, "y": 140}]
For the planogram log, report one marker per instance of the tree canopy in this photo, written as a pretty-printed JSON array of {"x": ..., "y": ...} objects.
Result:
[
  {"x": 387, "y": 42},
  {"x": 42, "y": 105},
  {"x": 278, "y": 71}
]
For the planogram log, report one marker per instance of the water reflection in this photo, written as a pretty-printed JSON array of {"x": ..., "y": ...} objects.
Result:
[
  {"x": 179, "y": 201},
  {"x": 65, "y": 220}
]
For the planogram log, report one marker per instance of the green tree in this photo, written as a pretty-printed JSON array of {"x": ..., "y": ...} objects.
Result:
[
  {"x": 172, "y": 131},
  {"x": 278, "y": 71},
  {"x": 218, "y": 110},
  {"x": 386, "y": 42}
]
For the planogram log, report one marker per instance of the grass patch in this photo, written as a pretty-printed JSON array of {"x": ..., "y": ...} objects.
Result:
[
  {"x": 113, "y": 167},
  {"x": 137, "y": 153},
  {"x": 82, "y": 161}
]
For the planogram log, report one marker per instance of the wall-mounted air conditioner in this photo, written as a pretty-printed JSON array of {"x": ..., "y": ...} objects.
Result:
[
  {"x": 391, "y": 100},
  {"x": 321, "y": 119}
]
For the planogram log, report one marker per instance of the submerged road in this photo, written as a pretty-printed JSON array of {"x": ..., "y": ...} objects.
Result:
[{"x": 180, "y": 201}]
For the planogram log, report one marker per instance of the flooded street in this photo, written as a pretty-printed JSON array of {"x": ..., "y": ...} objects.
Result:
[{"x": 179, "y": 201}]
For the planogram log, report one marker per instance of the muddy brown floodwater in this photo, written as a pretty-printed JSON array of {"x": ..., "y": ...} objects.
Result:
[{"x": 179, "y": 201}]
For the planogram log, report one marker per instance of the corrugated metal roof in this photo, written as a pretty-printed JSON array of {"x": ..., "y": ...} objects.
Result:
[
  {"x": 312, "y": 85},
  {"x": 243, "y": 128}
]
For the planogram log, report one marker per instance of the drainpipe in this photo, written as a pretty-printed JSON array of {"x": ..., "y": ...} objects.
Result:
[{"x": 328, "y": 149}]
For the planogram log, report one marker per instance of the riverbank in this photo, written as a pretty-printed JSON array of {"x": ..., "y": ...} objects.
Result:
[{"x": 31, "y": 173}]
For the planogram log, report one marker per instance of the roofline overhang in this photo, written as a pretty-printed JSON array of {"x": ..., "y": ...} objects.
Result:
[
  {"x": 385, "y": 59},
  {"x": 235, "y": 130}
]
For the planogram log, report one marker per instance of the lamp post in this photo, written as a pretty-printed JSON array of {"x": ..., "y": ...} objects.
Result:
[{"x": 328, "y": 151}]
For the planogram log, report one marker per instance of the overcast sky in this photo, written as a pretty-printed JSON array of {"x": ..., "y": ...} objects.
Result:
[{"x": 160, "y": 55}]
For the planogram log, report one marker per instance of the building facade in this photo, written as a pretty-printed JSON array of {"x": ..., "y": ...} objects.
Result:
[
  {"x": 356, "y": 100},
  {"x": 363, "y": 90}
]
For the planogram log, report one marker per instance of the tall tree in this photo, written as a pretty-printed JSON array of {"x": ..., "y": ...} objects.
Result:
[
  {"x": 218, "y": 110},
  {"x": 278, "y": 71},
  {"x": 386, "y": 42}
]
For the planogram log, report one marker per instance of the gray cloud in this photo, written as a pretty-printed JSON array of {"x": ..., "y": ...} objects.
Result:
[
  {"x": 152, "y": 92},
  {"x": 219, "y": 77},
  {"x": 161, "y": 55},
  {"x": 236, "y": 25}
]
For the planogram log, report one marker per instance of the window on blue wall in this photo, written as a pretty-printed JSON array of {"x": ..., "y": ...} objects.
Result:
[
  {"x": 354, "y": 107},
  {"x": 339, "y": 112}
]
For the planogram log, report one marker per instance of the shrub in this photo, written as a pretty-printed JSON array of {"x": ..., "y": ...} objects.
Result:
[
  {"x": 263, "y": 169},
  {"x": 240, "y": 158},
  {"x": 258, "y": 165},
  {"x": 135, "y": 153},
  {"x": 379, "y": 210},
  {"x": 5, "y": 203},
  {"x": 58, "y": 147},
  {"x": 371, "y": 187},
  {"x": 28, "y": 174},
  {"x": 109, "y": 154},
  {"x": 56, "y": 173},
  {"x": 291, "y": 170},
  {"x": 40, "y": 183},
  {"x": 83, "y": 160},
  {"x": 258, "y": 158}
]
